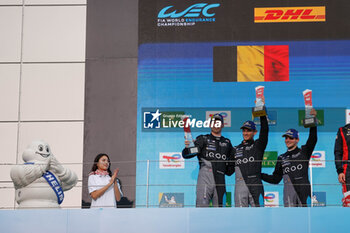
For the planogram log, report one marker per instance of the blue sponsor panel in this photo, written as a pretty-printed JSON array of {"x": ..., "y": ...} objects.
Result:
[
  {"x": 184, "y": 180},
  {"x": 180, "y": 76},
  {"x": 159, "y": 119},
  {"x": 173, "y": 220},
  {"x": 324, "y": 176},
  {"x": 163, "y": 180},
  {"x": 187, "y": 69}
]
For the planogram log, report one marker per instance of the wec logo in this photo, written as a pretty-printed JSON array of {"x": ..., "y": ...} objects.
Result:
[
  {"x": 289, "y": 14},
  {"x": 193, "y": 11}
]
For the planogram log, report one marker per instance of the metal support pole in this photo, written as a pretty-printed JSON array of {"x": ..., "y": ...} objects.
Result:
[{"x": 147, "y": 185}]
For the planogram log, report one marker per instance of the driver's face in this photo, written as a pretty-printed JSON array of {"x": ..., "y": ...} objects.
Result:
[
  {"x": 248, "y": 134},
  {"x": 217, "y": 126},
  {"x": 291, "y": 142}
]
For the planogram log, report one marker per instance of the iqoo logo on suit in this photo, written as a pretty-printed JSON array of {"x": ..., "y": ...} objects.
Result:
[
  {"x": 347, "y": 112},
  {"x": 171, "y": 16},
  {"x": 271, "y": 199}
]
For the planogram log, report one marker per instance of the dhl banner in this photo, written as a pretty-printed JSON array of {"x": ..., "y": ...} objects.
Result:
[{"x": 290, "y": 14}]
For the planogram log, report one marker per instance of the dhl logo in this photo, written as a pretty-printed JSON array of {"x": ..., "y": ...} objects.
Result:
[{"x": 290, "y": 14}]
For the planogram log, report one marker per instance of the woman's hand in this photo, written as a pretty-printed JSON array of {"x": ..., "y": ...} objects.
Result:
[
  {"x": 114, "y": 176},
  {"x": 117, "y": 193},
  {"x": 97, "y": 193}
]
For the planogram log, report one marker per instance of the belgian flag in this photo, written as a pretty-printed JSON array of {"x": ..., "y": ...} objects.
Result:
[{"x": 256, "y": 63}]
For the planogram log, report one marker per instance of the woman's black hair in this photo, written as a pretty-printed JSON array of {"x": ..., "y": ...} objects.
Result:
[{"x": 97, "y": 158}]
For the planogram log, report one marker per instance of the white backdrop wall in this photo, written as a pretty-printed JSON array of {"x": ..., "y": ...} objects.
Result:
[{"x": 42, "y": 76}]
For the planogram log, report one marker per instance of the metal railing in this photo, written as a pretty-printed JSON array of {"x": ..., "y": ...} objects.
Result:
[{"x": 153, "y": 183}]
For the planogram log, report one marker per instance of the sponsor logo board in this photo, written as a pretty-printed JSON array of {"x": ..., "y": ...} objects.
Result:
[
  {"x": 171, "y": 200},
  {"x": 271, "y": 199},
  {"x": 172, "y": 119},
  {"x": 269, "y": 159},
  {"x": 318, "y": 159},
  {"x": 151, "y": 120},
  {"x": 271, "y": 118},
  {"x": 171, "y": 160},
  {"x": 320, "y": 117},
  {"x": 318, "y": 199},
  {"x": 173, "y": 16},
  {"x": 225, "y": 114}
]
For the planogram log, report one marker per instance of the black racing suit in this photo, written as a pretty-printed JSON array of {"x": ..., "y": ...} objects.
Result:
[
  {"x": 293, "y": 167},
  {"x": 248, "y": 156},
  {"x": 341, "y": 153},
  {"x": 214, "y": 154}
]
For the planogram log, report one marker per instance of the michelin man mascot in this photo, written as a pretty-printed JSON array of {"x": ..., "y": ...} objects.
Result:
[{"x": 41, "y": 180}]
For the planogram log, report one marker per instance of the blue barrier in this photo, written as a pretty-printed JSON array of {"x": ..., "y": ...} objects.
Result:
[{"x": 190, "y": 220}]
